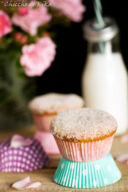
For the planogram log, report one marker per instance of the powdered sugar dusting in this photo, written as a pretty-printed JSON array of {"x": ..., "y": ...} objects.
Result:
[
  {"x": 84, "y": 123},
  {"x": 54, "y": 103}
]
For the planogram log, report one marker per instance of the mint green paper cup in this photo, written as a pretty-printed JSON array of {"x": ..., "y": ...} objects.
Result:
[{"x": 92, "y": 174}]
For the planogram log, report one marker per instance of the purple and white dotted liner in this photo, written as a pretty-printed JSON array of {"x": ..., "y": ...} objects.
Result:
[{"x": 21, "y": 156}]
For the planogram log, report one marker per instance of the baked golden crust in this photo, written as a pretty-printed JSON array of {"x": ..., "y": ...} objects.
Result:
[{"x": 87, "y": 140}]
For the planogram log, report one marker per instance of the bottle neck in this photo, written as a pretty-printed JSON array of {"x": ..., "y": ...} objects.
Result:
[{"x": 104, "y": 47}]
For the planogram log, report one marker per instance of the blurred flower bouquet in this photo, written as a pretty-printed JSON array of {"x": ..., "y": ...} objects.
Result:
[{"x": 27, "y": 49}]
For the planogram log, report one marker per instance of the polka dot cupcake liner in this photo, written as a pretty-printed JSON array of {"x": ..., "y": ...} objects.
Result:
[
  {"x": 22, "y": 159},
  {"x": 84, "y": 151},
  {"x": 91, "y": 174},
  {"x": 47, "y": 141}
]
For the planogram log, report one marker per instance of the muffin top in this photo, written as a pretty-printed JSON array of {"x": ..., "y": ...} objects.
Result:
[
  {"x": 55, "y": 103},
  {"x": 83, "y": 124}
]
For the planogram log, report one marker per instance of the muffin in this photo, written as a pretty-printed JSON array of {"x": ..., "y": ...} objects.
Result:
[
  {"x": 84, "y": 137},
  {"x": 45, "y": 107},
  {"x": 84, "y": 134}
]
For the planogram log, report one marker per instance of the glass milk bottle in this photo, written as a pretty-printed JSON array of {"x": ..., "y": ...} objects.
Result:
[{"x": 104, "y": 80}]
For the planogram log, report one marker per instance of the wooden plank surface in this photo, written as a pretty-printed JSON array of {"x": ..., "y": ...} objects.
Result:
[{"x": 45, "y": 175}]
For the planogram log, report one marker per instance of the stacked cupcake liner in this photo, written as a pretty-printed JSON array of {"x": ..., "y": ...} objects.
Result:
[
  {"x": 84, "y": 151},
  {"x": 86, "y": 164},
  {"x": 22, "y": 159},
  {"x": 91, "y": 174}
]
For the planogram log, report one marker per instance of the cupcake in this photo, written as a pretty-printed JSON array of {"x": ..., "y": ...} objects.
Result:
[
  {"x": 84, "y": 137},
  {"x": 45, "y": 107},
  {"x": 20, "y": 154},
  {"x": 84, "y": 134}
]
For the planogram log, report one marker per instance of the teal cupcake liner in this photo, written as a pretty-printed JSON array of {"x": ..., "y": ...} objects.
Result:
[{"x": 92, "y": 174}]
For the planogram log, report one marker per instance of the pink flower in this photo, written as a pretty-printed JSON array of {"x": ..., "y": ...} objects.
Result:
[
  {"x": 17, "y": 36},
  {"x": 19, "y": 141},
  {"x": 37, "y": 58},
  {"x": 45, "y": 34},
  {"x": 5, "y": 24},
  {"x": 23, "y": 10},
  {"x": 24, "y": 40},
  {"x": 123, "y": 158},
  {"x": 71, "y": 8},
  {"x": 124, "y": 138},
  {"x": 25, "y": 183},
  {"x": 32, "y": 19}
]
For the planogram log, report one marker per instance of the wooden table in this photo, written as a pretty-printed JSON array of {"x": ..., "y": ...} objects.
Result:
[{"x": 45, "y": 175}]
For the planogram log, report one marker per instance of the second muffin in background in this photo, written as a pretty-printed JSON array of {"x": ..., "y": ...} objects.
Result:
[{"x": 44, "y": 108}]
